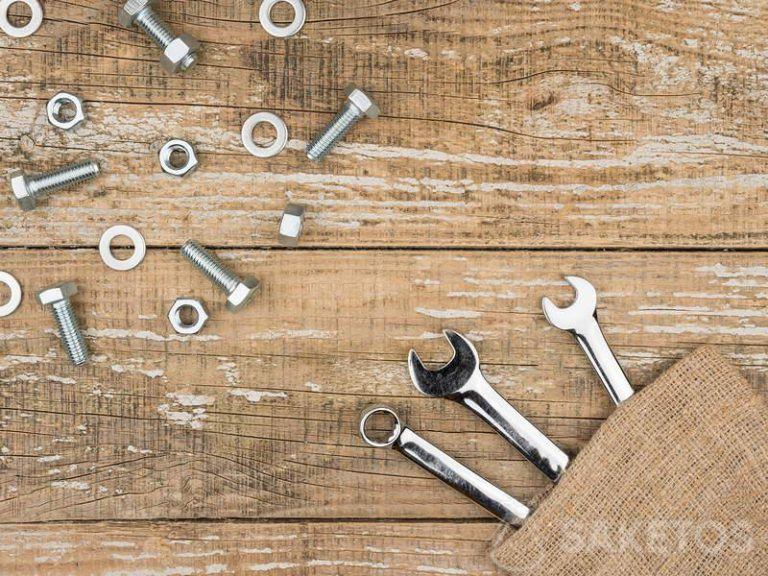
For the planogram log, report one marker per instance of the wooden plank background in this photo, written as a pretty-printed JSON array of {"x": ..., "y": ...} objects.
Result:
[{"x": 624, "y": 141}]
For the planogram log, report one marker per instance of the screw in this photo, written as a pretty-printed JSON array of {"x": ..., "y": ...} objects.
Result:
[
  {"x": 358, "y": 104},
  {"x": 179, "y": 52},
  {"x": 57, "y": 297},
  {"x": 29, "y": 189},
  {"x": 239, "y": 290}
]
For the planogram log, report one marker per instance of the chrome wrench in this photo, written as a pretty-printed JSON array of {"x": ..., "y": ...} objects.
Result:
[
  {"x": 462, "y": 381},
  {"x": 434, "y": 460},
  {"x": 580, "y": 319}
]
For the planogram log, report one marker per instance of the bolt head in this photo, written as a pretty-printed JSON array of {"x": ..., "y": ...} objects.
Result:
[
  {"x": 21, "y": 191},
  {"x": 362, "y": 101},
  {"x": 57, "y": 293},
  {"x": 180, "y": 54},
  {"x": 131, "y": 10},
  {"x": 242, "y": 294}
]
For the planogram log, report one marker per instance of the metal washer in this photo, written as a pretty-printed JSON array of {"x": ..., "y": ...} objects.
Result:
[
  {"x": 13, "y": 302},
  {"x": 139, "y": 248},
  {"x": 31, "y": 27},
  {"x": 265, "y": 17},
  {"x": 281, "y": 139}
]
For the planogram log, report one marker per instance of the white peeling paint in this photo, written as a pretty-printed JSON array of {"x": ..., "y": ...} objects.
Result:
[
  {"x": 254, "y": 396},
  {"x": 294, "y": 334},
  {"x": 446, "y": 314}
]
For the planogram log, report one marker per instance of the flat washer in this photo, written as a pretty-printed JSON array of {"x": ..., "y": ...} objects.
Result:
[
  {"x": 265, "y": 151},
  {"x": 13, "y": 302},
  {"x": 139, "y": 248},
  {"x": 299, "y": 18},
  {"x": 32, "y": 26}
]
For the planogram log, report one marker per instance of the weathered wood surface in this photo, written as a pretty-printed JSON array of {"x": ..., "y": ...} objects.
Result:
[
  {"x": 554, "y": 124},
  {"x": 298, "y": 549},
  {"x": 257, "y": 416}
]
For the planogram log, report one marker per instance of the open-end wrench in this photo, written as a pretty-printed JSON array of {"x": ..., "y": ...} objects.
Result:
[
  {"x": 434, "y": 460},
  {"x": 580, "y": 319},
  {"x": 462, "y": 381}
]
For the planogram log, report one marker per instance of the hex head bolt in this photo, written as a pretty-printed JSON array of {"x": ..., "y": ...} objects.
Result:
[
  {"x": 179, "y": 52},
  {"x": 358, "y": 104},
  {"x": 29, "y": 189},
  {"x": 239, "y": 290},
  {"x": 57, "y": 297}
]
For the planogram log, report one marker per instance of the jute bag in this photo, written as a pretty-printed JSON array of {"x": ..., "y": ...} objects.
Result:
[{"x": 674, "y": 483}]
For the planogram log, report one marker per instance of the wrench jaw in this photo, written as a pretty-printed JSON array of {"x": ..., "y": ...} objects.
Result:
[
  {"x": 450, "y": 380},
  {"x": 578, "y": 316}
]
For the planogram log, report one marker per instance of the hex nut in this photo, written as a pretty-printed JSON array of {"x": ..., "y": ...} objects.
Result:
[
  {"x": 57, "y": 293},
  {"x": 242, "y": 294},
  {"x": 174, "y": 316},
  {"x": 54, "y": 108},
  {"x": 178, "y": 146},
  {"x": 291, "y": 225},
  {"x": 180, "y": 54},
  {"x": 130, "y": 10},
  {"x": 362, "y": 101}
]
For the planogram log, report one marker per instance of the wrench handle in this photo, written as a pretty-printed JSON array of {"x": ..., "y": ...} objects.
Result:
[
  {"x": 480, "y": 397},
  {"x": 461, "y": 478},
  {"x": 595, "y": 346}
]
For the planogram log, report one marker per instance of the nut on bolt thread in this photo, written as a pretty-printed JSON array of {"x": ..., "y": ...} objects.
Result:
[
  {"x": 239, "y": 290},
  {"x": 179, "y": 52},
  {"x": 58, "y": 298},
  {"x": 28, "y": 190},
  {"x": 358, "y": 104}
]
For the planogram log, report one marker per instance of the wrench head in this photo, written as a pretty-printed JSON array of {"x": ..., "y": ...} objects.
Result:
[
  {"x": 449, "y": 379},
  {"x": 578, "y": 313}
]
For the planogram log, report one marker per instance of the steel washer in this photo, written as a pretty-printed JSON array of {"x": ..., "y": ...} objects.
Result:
[{"x": 139, "y": 247}]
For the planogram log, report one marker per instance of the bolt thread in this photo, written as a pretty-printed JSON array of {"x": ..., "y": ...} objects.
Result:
[
  {"x": 153, "y": 25},
  {"x": 43, "y": 184},
  {"x": 211, "y": 266},
  {"x": 334, "y": 132},
  {"x": 69, "y": 332}
]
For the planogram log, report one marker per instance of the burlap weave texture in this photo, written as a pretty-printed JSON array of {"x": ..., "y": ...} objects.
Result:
[{"x": 674, "y": 483}]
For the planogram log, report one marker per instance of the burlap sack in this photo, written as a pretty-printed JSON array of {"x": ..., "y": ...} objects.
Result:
[{"x": 674, "y": 483}]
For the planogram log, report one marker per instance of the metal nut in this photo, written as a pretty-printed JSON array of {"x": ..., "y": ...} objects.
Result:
[
  {"x": 291, "y": 225},
  {"x": 174, "y": 315},
  {"x": 55, "y": 105},
  {"x": 180, "y": 54},
  {"x": 189, "y": 166}
]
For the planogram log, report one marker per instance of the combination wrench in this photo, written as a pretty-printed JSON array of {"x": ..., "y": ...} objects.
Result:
[
  {"x": 453, "y": 473},
  {"x": 580, "y": 319},
  {"x": 462, "y": 381}
]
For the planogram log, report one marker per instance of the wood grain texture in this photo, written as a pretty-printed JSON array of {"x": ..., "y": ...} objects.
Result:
[
  {"x": 257, "y": 415},
  {"x": 196, "y": 549},
  {"x": 517, "y": 124}
]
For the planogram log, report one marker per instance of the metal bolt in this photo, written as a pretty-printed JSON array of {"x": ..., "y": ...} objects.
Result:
[
  {"x": 358, "y": 104},
  {"x": 179, "y": 52},
  {"x": 29, "y": 189},
  {"x": 239, "y": 290},
  {"x": 57, "y": 297}
]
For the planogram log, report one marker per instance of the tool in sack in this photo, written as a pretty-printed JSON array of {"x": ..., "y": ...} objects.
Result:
[
  {"x": 580, "y": 319},
  {"x": 462, "y": 381},
  {"x": 453, "y": 473}
]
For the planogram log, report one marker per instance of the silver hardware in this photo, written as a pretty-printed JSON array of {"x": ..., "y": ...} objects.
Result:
[
  {"x": 179, "y": 52},
  {"x": 358, "y": 104},
  {"x": 299, "y": 18},
  {"x": 58, "y": 298},
  {"x": 291, "y": 225},
  {"x": 21, "y": 31},
  {"x": 15, "y": 300},
  {"x": 239, "y": 290},
  {"x": 55, "y": 106},
  {"x": 580, "y": 319},
  {"x": 190, "y": 163},
  {"x": 28, "y": 190},
  {"x": 139, "y": 248},
  {"x": 462, "y": 381},
  {"x": 434, "y": 460},
  {"x": 201, "y": 316},
  {"x": 277, "y": 145}
]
